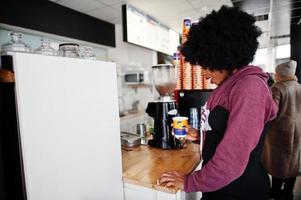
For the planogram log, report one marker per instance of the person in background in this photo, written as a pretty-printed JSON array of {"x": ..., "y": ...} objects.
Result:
[
  {"x": 271, "y": 79},
  {"x": 236, "y": 113},
  {"x": 282, "y": 157}
]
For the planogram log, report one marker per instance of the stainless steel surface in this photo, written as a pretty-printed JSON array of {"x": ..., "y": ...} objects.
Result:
[
  {"x": 141, "y": 131},
  {"x": 130, "y": 139}
]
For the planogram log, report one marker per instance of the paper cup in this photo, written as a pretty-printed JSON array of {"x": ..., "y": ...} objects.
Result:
[{"x": 179, "y": 125}]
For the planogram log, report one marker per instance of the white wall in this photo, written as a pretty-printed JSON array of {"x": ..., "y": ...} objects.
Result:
[
  {"x": 132, "y": 57},
  {"x": 268, "y": 58}
]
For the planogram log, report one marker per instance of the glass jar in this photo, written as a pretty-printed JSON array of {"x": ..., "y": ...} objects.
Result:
[
  {"x": 45, "y": 48},
  {"x": 15, "y": 45},
  {"x": 88, "y": 53},
  {"x": 69, "y": 50}
]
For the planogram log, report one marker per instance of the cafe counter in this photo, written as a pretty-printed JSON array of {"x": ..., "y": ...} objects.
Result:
[{"x": 143, "y": 165}]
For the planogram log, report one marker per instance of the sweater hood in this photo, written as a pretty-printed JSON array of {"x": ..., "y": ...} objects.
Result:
[
  {"x": 249, "y": 70},
  {"x": 220, "y": 93},
  {"x": 243, "y": 72}
]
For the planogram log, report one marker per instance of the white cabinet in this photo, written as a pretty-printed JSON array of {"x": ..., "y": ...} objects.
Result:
[
  {"x": 135, "y": 192},
  {"x": 69, "y": 128}
]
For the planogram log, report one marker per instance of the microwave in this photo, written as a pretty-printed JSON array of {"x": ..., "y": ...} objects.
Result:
[{"x": 132, "y": 78}]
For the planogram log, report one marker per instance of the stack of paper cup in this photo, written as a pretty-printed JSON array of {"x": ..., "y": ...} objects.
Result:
[
  {"x": 187, "y": 76},
  {"x": 197, "y": 77},
  {"x": 178, "y": 66}
]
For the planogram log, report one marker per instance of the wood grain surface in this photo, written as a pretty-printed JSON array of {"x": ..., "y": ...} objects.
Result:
[{"x": 143, "y": 165}]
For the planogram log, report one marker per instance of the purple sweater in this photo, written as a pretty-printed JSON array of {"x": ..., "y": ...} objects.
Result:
[{"x": 247, "y": 97}]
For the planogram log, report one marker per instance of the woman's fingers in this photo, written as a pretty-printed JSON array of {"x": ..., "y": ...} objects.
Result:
[
  {"x": 165, "y": 179},
  {"x": 171, "y": 181},
  {"x": 192, "y": 134},
  {"x": 190, "y": 138},
  {"x": 175, "y": 173},
  {"x": 172, "y": 178},
  {"x": 172, "y": 174},
  {"x": 171, "y": 184}
]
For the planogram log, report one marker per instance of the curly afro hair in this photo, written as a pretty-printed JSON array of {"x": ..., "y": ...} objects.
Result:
[{"x": 224, "y": 40}]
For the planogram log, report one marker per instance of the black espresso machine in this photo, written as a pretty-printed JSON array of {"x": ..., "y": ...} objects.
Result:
[{"x": 164, "y": 109}]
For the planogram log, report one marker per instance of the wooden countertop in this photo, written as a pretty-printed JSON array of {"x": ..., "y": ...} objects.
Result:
[{"x": 143, "y": 165}]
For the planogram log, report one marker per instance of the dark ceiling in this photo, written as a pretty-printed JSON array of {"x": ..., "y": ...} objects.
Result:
[
  {"x": 282, "y": 13},
  {"x": 296, "y": 11}
]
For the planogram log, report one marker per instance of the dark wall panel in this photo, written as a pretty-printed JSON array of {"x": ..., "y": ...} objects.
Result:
[
  {"x": 296, "y": 48},
  {"x": 52, "y": 18},
  {"x": 12, "y": 184}
]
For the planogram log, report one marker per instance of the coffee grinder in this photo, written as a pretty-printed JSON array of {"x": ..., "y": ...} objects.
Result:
[{"x": 163, "y": 110}]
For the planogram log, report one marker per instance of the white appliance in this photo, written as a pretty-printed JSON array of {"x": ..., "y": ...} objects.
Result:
[{"x": 69, "y": 131}]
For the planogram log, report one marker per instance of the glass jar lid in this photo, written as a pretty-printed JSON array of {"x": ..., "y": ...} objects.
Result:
[
  {"x": 69, "y": 50},
  {"x": 16, "y": 44},
  {"x": 45, "y": 48}
]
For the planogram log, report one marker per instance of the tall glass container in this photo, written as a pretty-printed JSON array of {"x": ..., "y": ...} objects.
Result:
[
  {"x": 15, "y": 45},
  {"x": 165, "y": 79}
]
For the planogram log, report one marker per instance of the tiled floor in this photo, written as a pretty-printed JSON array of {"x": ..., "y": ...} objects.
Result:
[
  {"x": 298, "y": 184},
  {"x": 297, "y": 189}
]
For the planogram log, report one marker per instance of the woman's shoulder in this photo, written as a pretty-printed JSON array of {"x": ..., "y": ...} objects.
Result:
[{"x": 251, "y": 83}]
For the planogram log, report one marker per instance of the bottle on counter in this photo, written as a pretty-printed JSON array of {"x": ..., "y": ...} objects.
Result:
[
  {"x": 15, "y": 45},
  {"x": 45, "y": 48}
]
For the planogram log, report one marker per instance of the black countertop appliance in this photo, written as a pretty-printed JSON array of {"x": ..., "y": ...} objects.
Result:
[{"x": 164, "y": 109}]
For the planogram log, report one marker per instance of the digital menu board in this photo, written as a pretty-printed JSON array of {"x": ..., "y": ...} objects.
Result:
[{"x": 142, "y": 29}]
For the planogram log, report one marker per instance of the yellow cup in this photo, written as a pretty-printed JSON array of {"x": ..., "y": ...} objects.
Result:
[{"x": 180, "y": 124}]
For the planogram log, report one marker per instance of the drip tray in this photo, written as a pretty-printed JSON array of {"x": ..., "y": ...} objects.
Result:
[{"x": 129, "y": 139}]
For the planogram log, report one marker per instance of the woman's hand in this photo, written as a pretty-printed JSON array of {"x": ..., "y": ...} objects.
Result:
[
  {"x": 192, "y": 134},
  {"x": 172, "y": 178}
]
